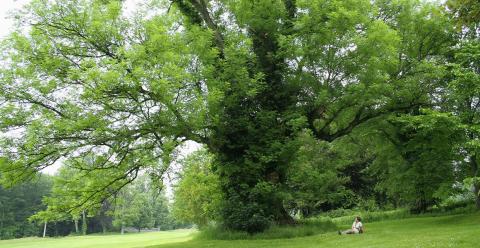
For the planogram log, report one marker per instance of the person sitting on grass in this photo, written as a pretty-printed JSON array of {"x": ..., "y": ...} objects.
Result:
[{"x": 357, "y": 227}]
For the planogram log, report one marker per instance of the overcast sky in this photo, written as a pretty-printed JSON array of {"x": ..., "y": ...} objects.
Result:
[{"x": 7, "y": 6}]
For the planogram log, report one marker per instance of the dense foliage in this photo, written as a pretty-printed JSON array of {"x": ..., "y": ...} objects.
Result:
[
  {"x": 304, "y": 105},
  {"x": 20, "y": 202},
  {"x": 45, "y": 205},
  {"x": 198, "y": 196},
  {"x": 142, "y": 206}
]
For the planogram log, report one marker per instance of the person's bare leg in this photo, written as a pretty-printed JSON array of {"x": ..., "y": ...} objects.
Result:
[{"x": 349, "y": 231}]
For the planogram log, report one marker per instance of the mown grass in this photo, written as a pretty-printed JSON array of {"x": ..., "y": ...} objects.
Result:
[
  {"x": 420, "y": 232},
  {"x": 327, "y": 222},
  {"x": 102, "y": 241}
]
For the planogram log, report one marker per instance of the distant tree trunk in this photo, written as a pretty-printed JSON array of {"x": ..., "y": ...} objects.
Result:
[
  {"x": 1, "y": 219},
  {"x": 56, "y": 229},
  {"x": 423, "y": 205},
  {"x": 283, "y": 218},
  {"x": 122, "y": 230},
  {"x": 84, "y": 223},
  {"x": 476, "y": 183},
  {"x": 44, "y": 229},
  {"x": 76, "y": 225},
  {"x": 103, "y": 216},
  {"x": 104, "y": 227}
]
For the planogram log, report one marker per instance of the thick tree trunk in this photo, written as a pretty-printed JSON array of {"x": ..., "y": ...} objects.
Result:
[
  {"x": 476, "y": 191},
  {"x": 122, "y": 229},
  {"x": 284, "y": 218},
  {"x": 44, "y": 229},
  {"x": 281, "y": 215},
  {"x": 251, "y": 125}
]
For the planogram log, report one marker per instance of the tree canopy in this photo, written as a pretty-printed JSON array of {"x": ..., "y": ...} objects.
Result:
[{"x": 272, "y": 88}]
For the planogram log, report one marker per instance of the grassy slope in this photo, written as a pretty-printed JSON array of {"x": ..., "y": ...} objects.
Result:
[{"x": 446, "y": 231}]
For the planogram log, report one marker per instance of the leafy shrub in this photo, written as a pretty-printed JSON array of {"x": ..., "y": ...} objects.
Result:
[{"x": 460, "y": 200}]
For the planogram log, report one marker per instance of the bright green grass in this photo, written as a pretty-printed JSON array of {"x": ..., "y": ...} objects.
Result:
[
  {"x": 445, "y": 231},
  {"x": 101, "y": 241}
]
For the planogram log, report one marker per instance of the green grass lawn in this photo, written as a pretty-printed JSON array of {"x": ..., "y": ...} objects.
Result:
[
  {"x": 445, "y": 231},
  {"x": 102, "y": 241}
]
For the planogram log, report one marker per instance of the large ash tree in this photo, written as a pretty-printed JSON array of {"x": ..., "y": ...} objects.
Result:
[{"x": 245, "y": 78}]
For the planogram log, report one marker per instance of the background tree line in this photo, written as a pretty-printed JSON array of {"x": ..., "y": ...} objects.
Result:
[{"x": 35, "y": 209}]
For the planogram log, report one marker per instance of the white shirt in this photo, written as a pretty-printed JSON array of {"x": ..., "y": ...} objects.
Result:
[{"x": 356, "y": 226}]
